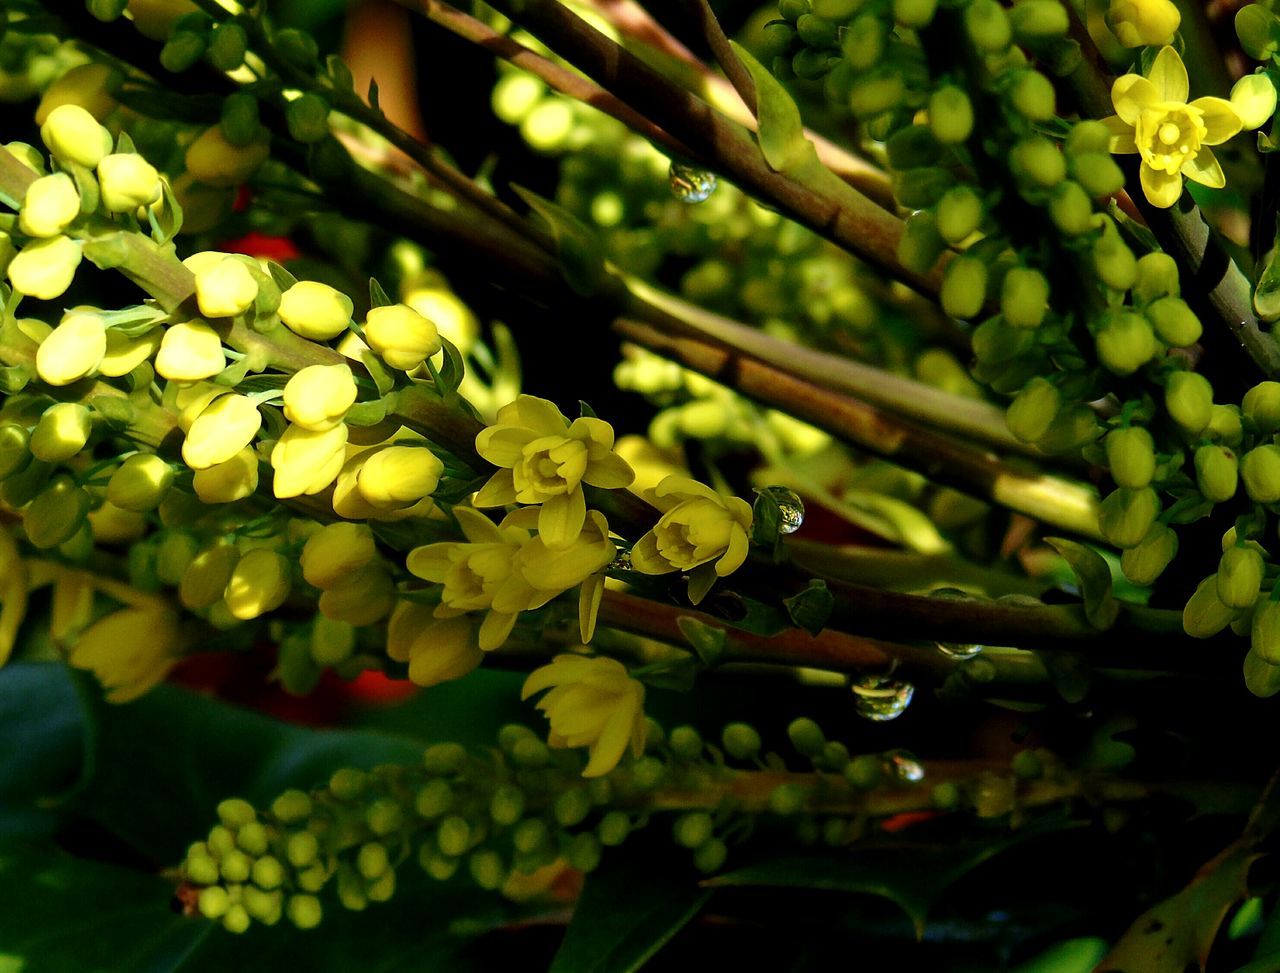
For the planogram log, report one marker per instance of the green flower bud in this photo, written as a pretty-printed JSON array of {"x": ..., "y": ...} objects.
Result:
[
  {"x": 686, "y": 743},
  {"x": 213, "y": 902},
  {"x": 434, "y": 799},
  {"x": 301, "y": 849},
  {"x": 1036, "y": 161},
  {"x": 773, "y": 40},
  {"x": 710, "y": 856},
  {"x": 1024, "y": 297},
  {"x": 267, "y": 872},
  {"x": 648, "y": 773},
  {"x": 532, "y": 834},
  {"x": 235, "y": 812},
  {"x": 487, "y": 869},
  {"x": 912, "y": 147},
  {"x": 1157, "y": 277},
  {"x": 297, "y": 47},
  {"x": 24, "y": 486},
  {"x": 348, "y": 784},
  {"x": 292, "y": 806},
  {"x": 914, "y": 14},
  {"x": 372, "y": 860},
  {"x": 1098, "y": 173},
  {"x": 181, "y": 51},
  {"x": 614, "y": 828},
  {"x": 1217, "y": 473},
  {"x": 384, "y": 816},
  {"x": 1260, "y": 677},
  {"x": 1070, "y": 208},
  {"x": 307, "y": 117},
  {"x": 786, "y": 800},
  {"x": 864, "y": 42},
  {"x": 950, "y": 114},
  {"x": 140, "y": 483},
  {"x": 1038, "y": 20},
  {"x": 304, "y": 911},
  {"x": 507, "y": 805},
  {"x": 1188, "y": 397},
  {"x": 816, "y": 31},
  {"x": 1225, "y": 426},
  {"x": 1125, "y": 342},
  {"x": 1205, "y": 615},
  {"x": 221, "y": 841},
  {"x": 227, "y": 46},
  {"x": 1131, "y": 456},
  {"x": 454, "y": 836},
  {"x": 1032, "y": 96},
  {"x": 55, "y": 516},
  {"x": 988, "y": 26},
  {"x": 1126, "y": 516},
  {"x": 1033, "y": 410},
  {"x": 236, "y": 921},
  {"x": 571, "y": 807},
  {"x": 1262, "y": 404},
  {"x": 240, "y": 121},
  {"x": 922, "y": 187},
  {"x": 1260, "y": 470},
  {"x": 741, "y": 741},
  {"x": 202, "y": 871},
  {"x": 920, "y": 245},
  {"x": 15, "y": 451},
  {"x": 313, "y": 878},
  {"x": 995, "y": 343},
  {"x": 806, "y": 736},
  {"x": 1264, "y": 634},
  {"x": 692, "y": 829},
  {"x": 1146, "y": 562},
  {"x": 531, "y": 754},
  {"x": 263, "y": 906},
  {"x": 964, "y": 287},
  {"x": 877, "y": 92},
  {"x": 583, "y": 852},
  {"x": 1114, "y": 262},
  {"x": 1175, "y": 323},
  {"x": 864, "y": 771},
  {"x": 960, "y": 213},
  {"x": 1240, "y": 577},
  {"x": 235, "y": 866},
  {"x": 61, "y": 432}
]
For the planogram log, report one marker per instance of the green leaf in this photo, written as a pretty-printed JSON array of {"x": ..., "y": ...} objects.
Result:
[
  {"x": 377, "y": 296},
  {"x": 766, "y": 523},
  {"x": 812, "y": 607},
  {"x": 781, "y": 136},
  {"x": 1094, "y": 577},
  {"x": 454, "y": 369},
  {"x": 629, "y": 909},
  {"x": 168, "y": 221},
  {"x": 1266, "y": 295},
  {"x": 284, "y": 280},
  {"x": 383, "y": 380},
  {"x": 580, "y": 250},
  {"x": 14, "y": 378},
  {"x": 706, "y": 640}
]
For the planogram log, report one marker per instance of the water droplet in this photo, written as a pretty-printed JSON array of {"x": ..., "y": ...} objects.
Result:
[
  {"x": 955, "y": 650},
  {"x": 790, "y": 508},
  {"x": 881, "y": 698},
  {"x": 690, "y": 185},
  {"x": 903, "y": 766}
]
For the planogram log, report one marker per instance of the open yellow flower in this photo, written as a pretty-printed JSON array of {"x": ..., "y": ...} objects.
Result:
[
  {"x": 545, "y": 459},
  {"x": 593, "y": 703},
  {"x": 130, "y": 650},
  {"x": 1154, "y": 119}
]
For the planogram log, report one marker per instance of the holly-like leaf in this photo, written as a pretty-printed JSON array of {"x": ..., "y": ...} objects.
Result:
[
  {"x": 812, "y": 607},
  {"x": 1094, "y": 577}
]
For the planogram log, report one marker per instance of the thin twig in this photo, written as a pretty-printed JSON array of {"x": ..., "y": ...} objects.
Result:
[{"x": 733, "y": 69}]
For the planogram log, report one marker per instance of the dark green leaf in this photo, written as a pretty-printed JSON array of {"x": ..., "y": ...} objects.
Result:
[
  {"x": 811, "y": 608},
  {"x": 782, "y": 138},
  {"x": 1100, "y": 605},
  {"x": 706, "y": 640},
  {"x": 284, "y": 280},
  {"x": 377, "y": 296}
]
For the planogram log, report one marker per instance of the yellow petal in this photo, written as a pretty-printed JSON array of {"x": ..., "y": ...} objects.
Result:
[
  {"x": 734, "y": 554},
  {"x": 498, "y": 492},
  {"x": 431, "y": 562},
  {"x": 494, "y": 629},
  {"x": 701, "y": 579},
  {"x": 1121, "y": 135},
  {"x": 612, "y": 742},
  {"x": 478, "y": 528},
  {"x": 610, "y": 472},
  {"x": 1205, "y": 170},
  {"x": 1220, "y": 118},
  {"x": 1169, "y": 75},
  {"x": 646, "y": 559},
  {"x": 1160, "y": 188},
  {"x": 561, "y": 519},
  {"x": 540, "y": 415},
  {"x": 592, "y": 430},
  {"x": 502, "y": 445},
  {"x": 589, "y": 606},
  {"x": 1130, "y": 94}
]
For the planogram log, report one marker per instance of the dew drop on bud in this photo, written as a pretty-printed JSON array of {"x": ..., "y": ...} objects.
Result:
[
  {"x": 881, "y": 698},
  {"x": 955, "y": 650},
  {"x": 903, "y": 766},
  {"x": 690, "y": 185},
  {"x": 790, "y": 508}
]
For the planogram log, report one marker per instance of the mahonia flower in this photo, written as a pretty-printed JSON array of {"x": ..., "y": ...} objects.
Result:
[
  {"x": 73, "y": 135},
  {"x": 318, "y": 396},
  {"x": 223, "y": 428},
  {"x": 593, "y": 703},
  {"x": 224, "y": 288},
  {"x": 130, "y": 651},
  {"x": 315, "y": 310},
  {"x": 503, "y": 569},
  {"x": 127, "y": 181},
  {"x": 306, "y": 461},
  {"x": 229, "y": 481},
  {"x": 44, "y": 269},
  {"x": 697, "y": 526},
  {"x": 73, "y": 350},
  {"x": 398, "y": 476},
  {"x": 545, "y": 459},
  {"x": 436, "y": 649},
  {"x": 50, "y": 204},
  {"x": 335, "y": 552},
  {"x": 1154, "y": 119},
  {"x": 259, "y": 583},
  {"x": 401, "y": 336},
  {"x": 1144, "y": 22},
  {"x": 1254, "y": 99},
  {"x": 190, "y": 351}
]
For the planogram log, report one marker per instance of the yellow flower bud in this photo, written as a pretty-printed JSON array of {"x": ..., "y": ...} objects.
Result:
[
  {"x": 306, "y": 461},
  {"x": 228, "y": 482},
  {"x": 84, "y": 85},
  {"x": 1254, "y": 99},
  {"x": 225, "y": 427},
  {"x": 318, "y": 396},
  {"x": 1139, "y": 22},
  {"x": 140, "y": 482},
  {"x": 111, "y": 525},
  {"x": 315, "y": 310},
  {"x": 130, "y": 651},
  {"x": 50, "y": 204},
  {"x": 216, "y": 162},
  {"x": 437, "y": 650},
  {"x": 73, "y": 350},
  {"x": 124, "y": 354},
  {"x": 127, "y": 181},
  {"x": 73, "y": 135},
  {"x": 363, "y": 598},
  {"x": 225, "y": 289},
  {"x": 44, "y": 269},
  {"x": 335, "y": 553},
  {"x": 56, "y": 515},
  {"x": 398, "y": 476},
  {"x": 61, "y": 432},
  {"x": 259, "y": 583},
  {"x": 190, "y": 351},
  {"x": 401, "y": 336},
  {"x": 208, "y": 575},
  {"x": 452, "y": 318}
]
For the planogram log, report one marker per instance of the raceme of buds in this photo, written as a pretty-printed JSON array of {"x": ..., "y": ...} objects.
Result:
[
  {"x": 315, "y": 310},
  {"x": 73, "y": 350},
  {"x": 127, "y": 181},
  {"x": 401, "y": 336},
  {"x": 318, "y": 396},
  {"x": 73, "y": 135},
  {"x": 50, "y": 204}
]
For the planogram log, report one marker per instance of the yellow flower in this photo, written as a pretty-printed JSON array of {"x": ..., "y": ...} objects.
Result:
[
  {"x": 1154, "y": 119},
  {"x": 84, "y": 85},
  {"x": 225, "y": 427},
  {"x": 73, "y": 135},
  {"x": 1143, "y": 22},
  {"x": 318, "y": 396},
  {"x": 130, "y": 651},
  {"x": 437, "y": 650},
  {"x": 228, "y": 481},
  {"x": 335, "y": 552},
  {"x": 73, "y": 350},
  {"x": 127, "y": 181},
  {"x": 314, "y": 310},
  {"x": 593, "y": 703},
  {"x": 44, "y": 269},
  {"x": 401, "y": 336},
  {"x": 504, "y": 569},
  {"x": 697, "y": 526},
  {"x": 398, "y": 476},
  {"x": 225, "y": 289},
  {"x": 306, "y": 461},
  {"x": 190, "y": 351},
  {"x": 50, "y": 204},
  {"x": 259, "y": 583},
  {"x": 545, "y": 460}
]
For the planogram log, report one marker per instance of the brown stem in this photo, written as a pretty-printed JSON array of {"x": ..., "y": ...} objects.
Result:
[{"x": 702, "y": 14}]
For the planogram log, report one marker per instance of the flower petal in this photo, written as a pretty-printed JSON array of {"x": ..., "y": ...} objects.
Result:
[
  {"x": 592, "y": 430},
  {"x": 1122, "y": 141},
  {"x": 734, "y": 554},
  {"x": 612, "y": 742},
  {"x": 503, "y": 445},
  {"x": 701, "y": 579},
  {"x": 431, "y": 562},
  {"x": 1169, "y": 75},
  {"x": 1205, "y": 170},
  {"x": 645, "y": 557},
  {"x": 1130, "y": 94},
  {"x": 478, "y": 528},
  {"x": 540, "y": 415},
  {"x": 610, "y": 472},
  {"x": 561, "y": 519},
  {"x": 589, "y": 597},
  {"x": 495, "y": 628},
  {"x": 1161, "y": 189},
  {"x": 498, "y": 492},
  {"x": 1220, "y": 118}
]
